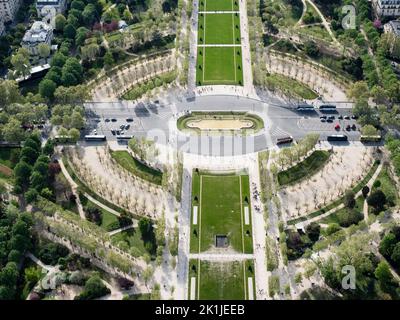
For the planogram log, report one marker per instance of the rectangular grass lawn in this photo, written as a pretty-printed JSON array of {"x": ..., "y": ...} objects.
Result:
[
  {"x": 219, "y": 65},
  {"x": 218, "y": 5},
  {"x": 221, "y": 200},
  {"x": 219, "y": 280},
  {"x": 219, "y": 28}
]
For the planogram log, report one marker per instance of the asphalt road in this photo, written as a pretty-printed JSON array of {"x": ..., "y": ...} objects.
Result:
[{"x": 157, "y": 119}]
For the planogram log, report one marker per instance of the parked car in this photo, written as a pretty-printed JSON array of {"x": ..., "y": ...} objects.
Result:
[
  {"x": 337, "y": 127},
  {"x": 354, "y": 127},
  {"x": 354, "y": 117},
  {"x": 129, "y": 119},
  {"x": 323, "y": 120},
  {"x": 347, "y": 117},
  {"x": 348, "y": 127},
  {"x": 322, "y": 117},
  {"x": 113, "y": 132},
  {"x": 107, "y": 120},
  {"x": 340, "y": 117},
  {"x": 127, "y": 126},
  {"x": 329, "y": 120},
  {"x": 122, "y": 126},
  {"x": 114, "y": 120}
]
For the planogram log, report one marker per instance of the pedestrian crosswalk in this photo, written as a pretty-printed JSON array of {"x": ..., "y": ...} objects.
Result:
[{"x": 278, "y": 132}]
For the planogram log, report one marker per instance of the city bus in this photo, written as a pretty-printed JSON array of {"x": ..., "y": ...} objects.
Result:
[
  {"x": 327, "y": 108},
  {"x": 95, "y": 138},
  {"x": 124, "y": 137},
  {"x": 337, "y": 137},
  {"x": 305, "y": 107},
  {"x": 364, "y": 138},
  {"x": 284, "y": 140}
]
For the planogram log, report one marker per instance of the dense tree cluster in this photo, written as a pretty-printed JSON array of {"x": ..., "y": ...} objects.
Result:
[
  {"x": 393, "y": 145},
  {"x": 373, "y": 279},
  {"x": 31, "y": 173},
  {"x": 94, "y": 288},
  {"x": 15, "y": 240}
]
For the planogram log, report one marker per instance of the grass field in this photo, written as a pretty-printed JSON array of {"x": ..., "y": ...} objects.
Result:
[
  {"x": 219, "y": 65},
  {"x": 221, "y": 280},
  {"x": 303, "y": 169},
  {"x": 221, "y": 200},
  {"x": 219, "y": 28},
  {"x": 297, "y": 88},
  {"x": 131, "y": 240},
  {"x": 219, "y": 5},
  {"x": 385, "y": 182},
  {"x": 137, "y": 168}
]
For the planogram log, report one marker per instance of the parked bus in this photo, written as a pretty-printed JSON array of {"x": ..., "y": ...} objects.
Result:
[
  {"x": 95, "y": 138},
  {"x": 337, "y": 137},
  {"x": 124, "y": 137},
  {"x": 327, "y": 108},
  {"x": 305, "y": 107},
  {"x": 284, "y": 140},
  {"x": 364, "y": 138}
]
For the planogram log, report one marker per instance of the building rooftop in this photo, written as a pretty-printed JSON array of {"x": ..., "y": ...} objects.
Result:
[
  {"x": 37, "y": 33},
  {"x": 394, "y": 26}
]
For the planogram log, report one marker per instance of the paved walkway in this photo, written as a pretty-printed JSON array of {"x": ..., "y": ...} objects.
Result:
[
  {"x": 40, "y": 263},
  {"x": 74, "y": 188},
  {"x": 325, "y": 23},
  {"x": 114, "y": 232}
]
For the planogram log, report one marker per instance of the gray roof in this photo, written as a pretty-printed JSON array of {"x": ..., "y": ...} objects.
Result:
[
  {"x": 395, "y": 26},
  {"x": 37, "y": 33}
]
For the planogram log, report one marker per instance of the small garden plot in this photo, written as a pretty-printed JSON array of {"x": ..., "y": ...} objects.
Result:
[
  {"x": 136, "y": 167},
  {"x": 130, "y": 240},
  {"x": 303, "y": 169}
]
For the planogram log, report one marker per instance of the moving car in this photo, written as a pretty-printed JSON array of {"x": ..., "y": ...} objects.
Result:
[
  {"x": 337, "y": 127},
  {"x": 129, "y": 119}
]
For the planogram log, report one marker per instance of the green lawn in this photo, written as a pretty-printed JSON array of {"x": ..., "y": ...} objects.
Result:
[
  {"x": 219, "y": 5},
  {"x": 109, "y": 221},
  {"x": 221, "y": 211},
  {"x": 130, "y": 240},
  {"x": 219, "y": 65},
  {"x": 220, "y": 280},
  {"x": 385, "y": 183},
  {"x": 303, "y": 169},
  {"x": 287, "y": 84},
  {"x": 219, "y": 28},
  {"x": 136, "y": 167},
  {"x": 334, "y": 217}
]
